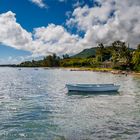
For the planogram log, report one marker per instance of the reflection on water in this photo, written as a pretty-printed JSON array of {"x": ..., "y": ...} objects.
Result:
[
  {"x": 92, "y": 93},
  {"x": 35, "y": 105}
]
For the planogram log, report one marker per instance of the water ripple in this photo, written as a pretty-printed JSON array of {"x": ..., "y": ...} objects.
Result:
[{"x": 35, "y": 105}]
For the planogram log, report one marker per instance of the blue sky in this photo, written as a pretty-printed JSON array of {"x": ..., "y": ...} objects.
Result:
[
  {"x": 36, "y": 28},
  {"x": 30, "y": 16}
]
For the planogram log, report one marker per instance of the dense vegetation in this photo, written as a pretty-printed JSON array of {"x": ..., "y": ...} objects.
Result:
[
  {"x": 86, "y": 53},
  {"x": 117, "y": 55}
]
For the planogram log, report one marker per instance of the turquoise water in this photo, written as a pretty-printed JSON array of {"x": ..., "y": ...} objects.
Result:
[{"x": 34, "y": 105}]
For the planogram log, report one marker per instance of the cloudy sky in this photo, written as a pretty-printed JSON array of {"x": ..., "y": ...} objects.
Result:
[{"x": 35, "y": 28}]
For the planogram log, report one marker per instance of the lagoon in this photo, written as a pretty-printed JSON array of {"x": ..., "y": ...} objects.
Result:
[{"x": 34, "y": 105}]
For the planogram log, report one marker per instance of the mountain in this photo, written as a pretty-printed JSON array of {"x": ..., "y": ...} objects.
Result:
[{"x": 86, "y": 53}]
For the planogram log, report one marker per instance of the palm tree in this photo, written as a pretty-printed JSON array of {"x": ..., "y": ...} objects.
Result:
[{"x": 100, "y": 52}]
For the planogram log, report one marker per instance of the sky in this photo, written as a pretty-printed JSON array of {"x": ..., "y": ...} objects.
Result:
[{"x": 32, "y": 29}]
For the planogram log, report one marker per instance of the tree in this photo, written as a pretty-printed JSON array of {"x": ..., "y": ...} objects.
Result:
[
  {"x": 121, "y": 52},
  {"x": 102, "y": 53},
  {"x": 136, "y": 58},
  {"x": 51, "y": 61},
  {"x": 66, "y": 56},
  {"x": 99, "y": 52}
]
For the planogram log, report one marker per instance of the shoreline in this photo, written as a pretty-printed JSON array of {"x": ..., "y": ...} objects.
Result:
[{"x": 106, "y": 70}]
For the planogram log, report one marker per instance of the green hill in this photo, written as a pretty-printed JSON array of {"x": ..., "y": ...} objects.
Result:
[{"x": 86, "y": 53}]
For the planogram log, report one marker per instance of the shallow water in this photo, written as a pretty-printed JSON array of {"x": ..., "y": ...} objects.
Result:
[{"x": 34, "y": 105}]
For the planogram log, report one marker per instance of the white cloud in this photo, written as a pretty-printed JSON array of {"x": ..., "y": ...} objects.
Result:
[
  {"x": 15, "y": 59},
  {"x": 12, "y": 34},
  {"x": 43, "y": 40},
  {"x": 42, "y": 4},
  {"x": 39, "y": 3},
  {"x": 78, "y": 3},
  {"x": 55, "y": 39},
  {"x": 68, "y": 14},
  {"x": 86, "y": 17},
  {"x": 112, "y": 20},
  {"x": 62, "y": 0}
]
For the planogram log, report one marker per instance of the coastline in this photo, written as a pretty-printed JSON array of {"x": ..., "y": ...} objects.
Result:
[{"x": 108, "y": 70}]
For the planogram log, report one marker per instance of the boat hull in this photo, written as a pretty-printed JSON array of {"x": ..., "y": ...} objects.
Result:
[{"x": 93, "y": 88}]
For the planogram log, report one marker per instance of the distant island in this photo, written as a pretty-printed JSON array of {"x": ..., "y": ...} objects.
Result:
[{"x": 118, "y": 55}]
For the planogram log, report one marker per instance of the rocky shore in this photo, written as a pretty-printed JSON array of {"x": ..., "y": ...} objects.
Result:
[{"x": 109, "y": 70}]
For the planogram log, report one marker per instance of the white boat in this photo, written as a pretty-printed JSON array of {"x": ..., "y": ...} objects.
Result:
[{"x": 93, "y": 87}]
